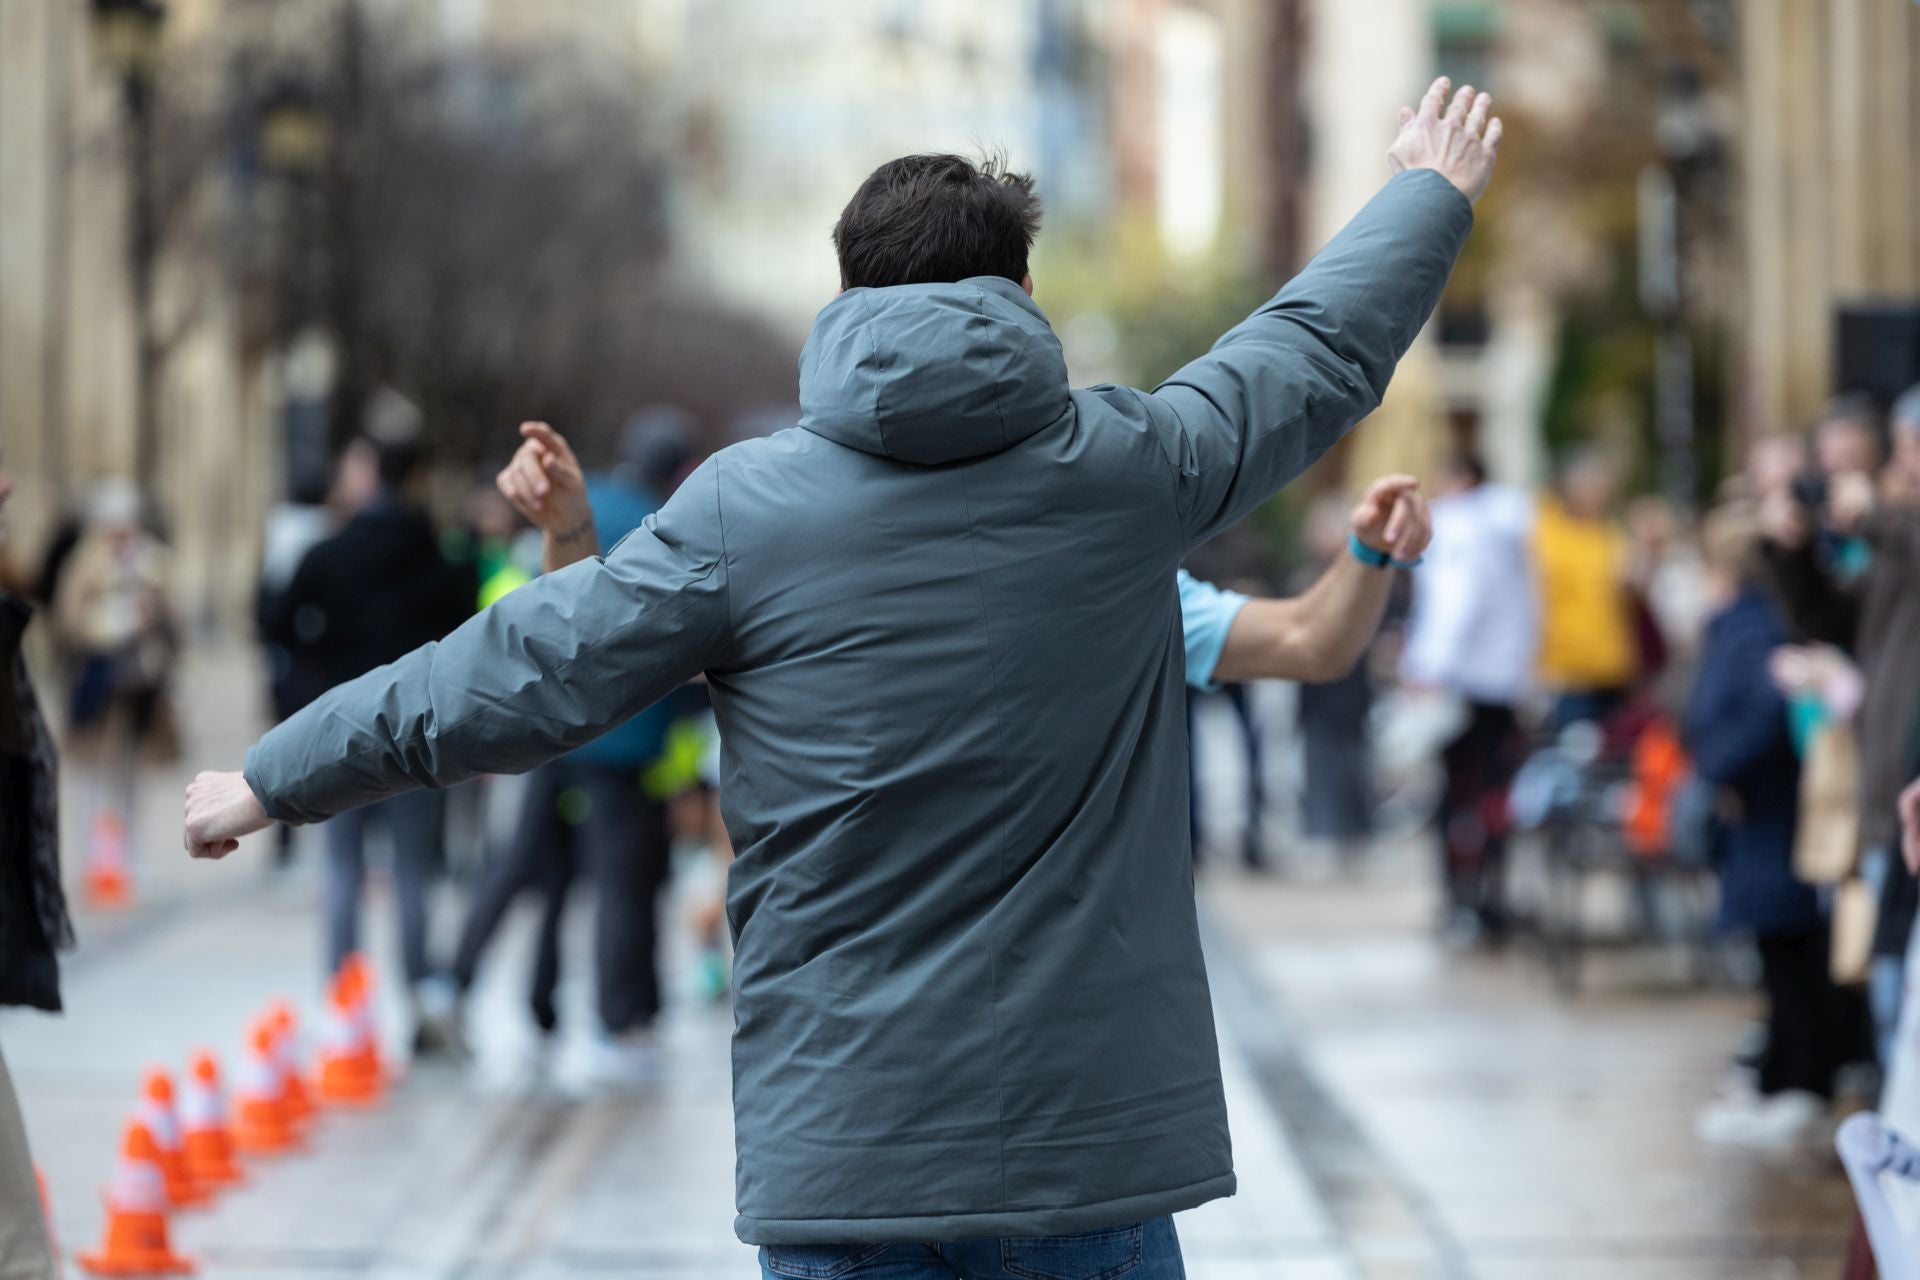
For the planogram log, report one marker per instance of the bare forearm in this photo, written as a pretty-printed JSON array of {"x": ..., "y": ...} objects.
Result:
[
  {"x": 1316, "y": 636},
  {"x": 567, "y": 543}
]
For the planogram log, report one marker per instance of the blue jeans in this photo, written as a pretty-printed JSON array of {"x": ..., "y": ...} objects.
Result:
[{"x": 1140, "y": 1251}]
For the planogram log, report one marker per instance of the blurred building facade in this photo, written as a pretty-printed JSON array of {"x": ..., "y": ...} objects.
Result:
[
  {"x": 1830, "y": 195},
  {"x": 70, "y": 349},
  {"x": 1236, "y": 132}
]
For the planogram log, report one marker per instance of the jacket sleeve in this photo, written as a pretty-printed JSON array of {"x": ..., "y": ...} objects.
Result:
[
  {"x": 1737, "y": 717},
  {"x": 1286, "y": 383},
  {"x": 549, "y": 667}
]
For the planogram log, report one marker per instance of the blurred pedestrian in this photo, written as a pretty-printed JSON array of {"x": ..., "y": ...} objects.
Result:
[
  {"x": 1738, "y": 737},
  {"x": 1589, "y": 647},
  {"x": 1337, "y": 793},
  {"x": 295, "y": 670},
  {"x": 1667, "y": 578},
  {"x": 1318, "y": 636},
  {"x": 492, "y": 537},
  {"x": 377, "y": 589},
  {"x": 1843, "y": 554},
  {"x": 970, "y": 1006},
  {"x": 115, "y": 619},
  {"x": 1473, "y": 632},
  {"x": 591, "y": 807},
  {"x": 33, "y": 920},
  {"x": 1234, "y": 560}
]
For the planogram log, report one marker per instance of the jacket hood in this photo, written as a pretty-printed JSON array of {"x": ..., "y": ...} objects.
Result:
[{"x": 932, "y": 373}]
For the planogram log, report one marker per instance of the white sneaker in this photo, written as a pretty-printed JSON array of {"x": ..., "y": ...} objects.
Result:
[
  {"x": 1778, "y": 1122},
  {"x": 625, "y": 1061}
]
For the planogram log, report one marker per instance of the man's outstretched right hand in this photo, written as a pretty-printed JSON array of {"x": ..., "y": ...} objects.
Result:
[{"x": 1455, "y": 139}]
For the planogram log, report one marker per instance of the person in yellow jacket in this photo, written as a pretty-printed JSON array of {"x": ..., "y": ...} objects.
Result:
[{"x": 1588, "y": 651}]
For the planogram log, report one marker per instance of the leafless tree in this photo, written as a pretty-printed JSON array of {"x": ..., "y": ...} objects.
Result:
[{"x": 484, "y": 229}]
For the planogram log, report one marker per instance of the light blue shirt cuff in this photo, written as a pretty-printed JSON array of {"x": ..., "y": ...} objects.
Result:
[{"x": 1206, "y": 615}]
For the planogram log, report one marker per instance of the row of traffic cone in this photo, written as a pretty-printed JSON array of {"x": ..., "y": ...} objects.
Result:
[{"x": 175, "y": 1157}]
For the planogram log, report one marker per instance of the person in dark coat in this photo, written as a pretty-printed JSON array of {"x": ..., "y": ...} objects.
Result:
[
  {"x": 33, "y": 918},
  {"x": 1843, "y": 556},
  {"x": 1738, "y": 737},
  {"x": 374, "y": 591}
]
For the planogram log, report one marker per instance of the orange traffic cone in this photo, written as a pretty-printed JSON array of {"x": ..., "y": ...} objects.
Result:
[
  {"x": 286, "y": 1056},
  {"x": 108, "y": 883},
  {"x": 262, "y": 1127},
  {"x": 359, "y": 975},
  {"x": 136, "y": 1236},
  {"x": 205, "y": 1139},
  {"x": 349, "y": 1074},
  {"x": 163, "y": 1125},
  {"x": 46, "y": 1212}
]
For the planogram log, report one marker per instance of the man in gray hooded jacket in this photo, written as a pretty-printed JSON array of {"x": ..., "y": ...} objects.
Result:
[{"x": 940, "y": 626}]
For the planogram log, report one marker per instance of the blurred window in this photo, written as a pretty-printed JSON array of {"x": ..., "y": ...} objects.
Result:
[
  {"x": 1464, "y": 37},
  {"x": 1463, "y": 324}
]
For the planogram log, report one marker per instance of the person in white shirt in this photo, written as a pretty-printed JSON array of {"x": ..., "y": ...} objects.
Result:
[{"x": 1474, "y": 632}]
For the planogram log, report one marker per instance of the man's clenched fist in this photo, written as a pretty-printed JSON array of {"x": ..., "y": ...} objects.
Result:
[
  {"x": 221, "y": 808},
  {"x": 1456, "y": 139}
]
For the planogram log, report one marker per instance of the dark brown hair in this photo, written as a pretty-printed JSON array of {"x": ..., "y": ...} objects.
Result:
[{"x": 933, "y": 219}]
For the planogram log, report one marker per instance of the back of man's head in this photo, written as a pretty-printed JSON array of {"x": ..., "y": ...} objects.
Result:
[{"x": 935, "y": 219}]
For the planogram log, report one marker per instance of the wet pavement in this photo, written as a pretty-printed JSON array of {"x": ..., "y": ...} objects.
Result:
[
  {"x": 1398, "y": 1110},
  {"x": 1459, "y": 1117},
  {"x": 508, "y": 1170}
]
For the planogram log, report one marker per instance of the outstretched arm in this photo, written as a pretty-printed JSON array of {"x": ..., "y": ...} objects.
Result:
[
  {"x": 549, "y": 667},
  {"x": 1320, "y": 634},
  {"x": 1291, "y": 379}
]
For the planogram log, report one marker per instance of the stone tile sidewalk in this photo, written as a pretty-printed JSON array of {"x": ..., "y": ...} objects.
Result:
[{"x": 496, "y": 1172}]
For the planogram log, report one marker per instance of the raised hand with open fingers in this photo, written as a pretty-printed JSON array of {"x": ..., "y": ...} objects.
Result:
[{"x": 1456, "y": 136}]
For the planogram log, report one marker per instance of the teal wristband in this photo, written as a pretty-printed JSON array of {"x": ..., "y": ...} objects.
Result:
[
  {"x": 1377, "y": 559},
  {"x": 1367, "y": 555}
]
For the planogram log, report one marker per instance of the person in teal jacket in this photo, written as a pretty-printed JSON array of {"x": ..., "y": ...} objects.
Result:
[{"x": 939, "y": 625}]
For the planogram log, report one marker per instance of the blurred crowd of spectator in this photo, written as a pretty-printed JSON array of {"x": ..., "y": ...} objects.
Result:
[
  {"x": 1735, "y": 691},
  {"x": 1753, "y": 675}
]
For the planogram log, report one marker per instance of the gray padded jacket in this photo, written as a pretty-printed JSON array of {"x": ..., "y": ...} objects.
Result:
[{"x": 940, "y": 624}]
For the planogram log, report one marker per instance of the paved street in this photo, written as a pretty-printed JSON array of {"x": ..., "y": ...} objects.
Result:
[
  {"x": 1460, "y": 1119},
  {"x": 1397, "y": 1111}
]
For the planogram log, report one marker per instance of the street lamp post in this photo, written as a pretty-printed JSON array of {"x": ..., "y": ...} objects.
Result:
[
  {"x": 127, "y": 34},
  {"x": 295, "y": 142},
  {"x": 1684, "y": 137}
]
